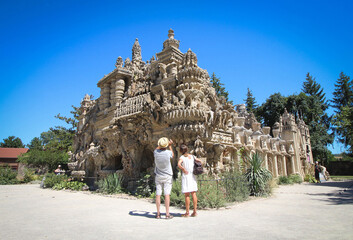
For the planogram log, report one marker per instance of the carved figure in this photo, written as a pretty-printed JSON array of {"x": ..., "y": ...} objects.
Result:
[{"x": 119, "y": 62}]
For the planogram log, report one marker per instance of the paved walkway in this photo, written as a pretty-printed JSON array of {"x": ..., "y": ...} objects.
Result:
[{"x": 305, "y": 211}]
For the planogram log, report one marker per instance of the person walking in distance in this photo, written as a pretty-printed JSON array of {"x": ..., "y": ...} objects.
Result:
[
  {"x": 164, "y": 174},
  {"x": 188, "y": 179},
  {"x": 317, "y": 172}
]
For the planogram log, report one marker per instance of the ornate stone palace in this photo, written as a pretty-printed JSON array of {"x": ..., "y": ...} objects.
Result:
[{"x": 171, "y": 96}]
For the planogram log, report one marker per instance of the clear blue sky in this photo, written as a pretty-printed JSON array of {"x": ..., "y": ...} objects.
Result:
[{"x": 54, "y": 52}]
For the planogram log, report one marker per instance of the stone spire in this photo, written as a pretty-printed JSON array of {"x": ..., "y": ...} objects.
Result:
[
  {"x": 170, "y": 33},
  {"x": 136, "y": 52},
  {"x": 171, "y": 42}
]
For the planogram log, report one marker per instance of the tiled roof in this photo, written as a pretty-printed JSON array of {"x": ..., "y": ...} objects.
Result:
[{"x": 12, "y": 152}]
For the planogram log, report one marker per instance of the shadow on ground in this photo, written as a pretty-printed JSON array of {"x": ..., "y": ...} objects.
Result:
[
  {"x": 138, "y": 213},
  {"x": 339, "y": 184},
  {"x": 343, "y": 196}
]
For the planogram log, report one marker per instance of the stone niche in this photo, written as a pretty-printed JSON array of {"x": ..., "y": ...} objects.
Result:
[{"x": 171, "y": 96}]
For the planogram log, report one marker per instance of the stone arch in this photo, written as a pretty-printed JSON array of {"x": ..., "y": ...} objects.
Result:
[
  {"x": 113, "y": 163},
  {"x": 91, "y": 172}
]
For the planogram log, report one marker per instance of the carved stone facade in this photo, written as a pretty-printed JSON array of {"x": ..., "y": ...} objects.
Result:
[{"x": 171, "y": 96}]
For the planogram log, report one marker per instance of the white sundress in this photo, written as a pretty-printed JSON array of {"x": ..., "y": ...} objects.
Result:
[{"x": 188, "y": 181}]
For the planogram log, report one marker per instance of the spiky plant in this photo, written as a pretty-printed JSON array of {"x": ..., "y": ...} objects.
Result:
[
  {"x": 257, "y": 176},
  {"x": 111, "y": 184}
]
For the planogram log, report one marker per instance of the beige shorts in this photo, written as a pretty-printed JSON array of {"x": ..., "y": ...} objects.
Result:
[{"x": 165, "y": 184}]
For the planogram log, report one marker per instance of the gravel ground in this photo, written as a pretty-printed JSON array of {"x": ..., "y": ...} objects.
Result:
[{"x": 301, "y": 211}]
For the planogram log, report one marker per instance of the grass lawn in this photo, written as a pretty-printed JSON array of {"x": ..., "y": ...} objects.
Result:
[{"x": 341, "y": 178}]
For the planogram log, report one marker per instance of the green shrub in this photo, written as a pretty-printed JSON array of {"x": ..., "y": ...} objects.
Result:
[
  {"x": 8, "y": 176},
  {"x": 177, "y": 198},
  {"x": 211, "y": 193},
  {"x": 111, "y": 184},
  {"x": 51, "y": 179},
  {"x": 236, "y": 185},
  {"x": 309, "y": 178},
  {"x": 295, "y": 178},
  {"x": 284, "y": 180},
  {"x": 145, "y": 186},
  {"x": 29, "y": 175},
  {"x": 291, "y": 179},
  {"x": 73, "y": 185},
  {"x": 258, "y": 177}
]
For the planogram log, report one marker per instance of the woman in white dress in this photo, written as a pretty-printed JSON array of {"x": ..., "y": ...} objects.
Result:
[{"x": 188, "y": 179}]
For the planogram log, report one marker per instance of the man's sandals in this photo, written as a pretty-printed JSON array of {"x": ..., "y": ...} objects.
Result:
[
  {"x": 185, "y": 214},
  {"x": 194, "y": 214}
]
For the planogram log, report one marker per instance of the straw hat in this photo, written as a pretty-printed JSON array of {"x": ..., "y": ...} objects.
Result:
[{"x": 163, "y": 142}]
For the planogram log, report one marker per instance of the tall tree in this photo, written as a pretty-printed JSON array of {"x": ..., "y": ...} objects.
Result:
[
  {"x": 342, "y": 102},
  {"x": 12, "y": 142},
  {"x": 317, "y": 119},
  {"x": 218, "y": 86},
  {"x": 343, "y": 94},
  {"x": 313, "y": 88},
  {"x": 344, "y": 127},
  {"x": 250, "y": 102},
  {"x": 311, "y": 105}
]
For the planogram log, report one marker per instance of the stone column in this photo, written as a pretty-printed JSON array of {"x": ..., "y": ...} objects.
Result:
[
  {"x": 101, "y": 101},
  {"x": 275, "y": 166},
  {"x": 119, "y": 90},
  {"x": 270, "y": 164},
  {"x": 292, "y": 164},
  {"x": 296, "y": 164},
  {"x": 266, "y": 161},
  {"x": 284, "y": 166},
  {"x": 106, "y": 95},
  {"x": 112, "y": 94},
  {"x": 279, "y": 165}
]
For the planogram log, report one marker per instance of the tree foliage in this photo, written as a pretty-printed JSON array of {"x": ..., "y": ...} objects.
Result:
[
  {"x": 12, "y": 142},
  {"x": 218, "y": 86},
  {"x": 44, "y": 158},
  {"x": 313, "y": 88},
  {"x": 343, "y": 94},
  {"x": 344, "y": 127},
  {"x": 250, "y": 102},
  {"x": 35, "y": 144},
  {"x": 317, "y": 119},
  {"x": 73, "y": 121},
  {"x": 50, "y": 149},
  {"x": 342, "y": 102},
  {"x": 270, "y": 111},
  {"x": 311, "y": 106}
]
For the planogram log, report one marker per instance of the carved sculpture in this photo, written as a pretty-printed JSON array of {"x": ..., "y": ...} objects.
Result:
[{"x": 172, "y": 96}]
